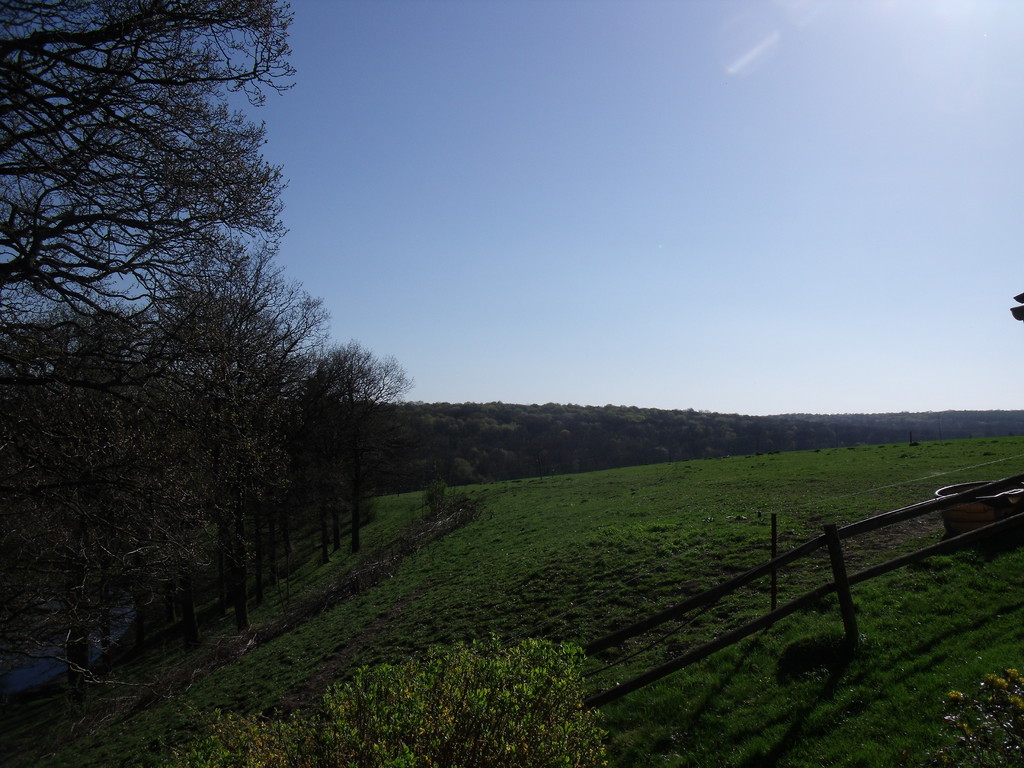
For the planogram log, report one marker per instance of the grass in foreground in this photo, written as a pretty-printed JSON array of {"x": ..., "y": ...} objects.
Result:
[
  {"x": 475, "y": 706},
  {"x": 568, "y": 558}
]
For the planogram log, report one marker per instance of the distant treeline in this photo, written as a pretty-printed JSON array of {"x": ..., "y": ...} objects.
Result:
[{"x": 484, "y": 442}]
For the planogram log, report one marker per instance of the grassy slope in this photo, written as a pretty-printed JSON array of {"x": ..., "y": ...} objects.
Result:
[{"x": 570, "y": 557}]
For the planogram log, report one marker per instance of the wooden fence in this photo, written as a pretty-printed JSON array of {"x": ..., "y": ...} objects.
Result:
[{"x": 831, "y": 538}]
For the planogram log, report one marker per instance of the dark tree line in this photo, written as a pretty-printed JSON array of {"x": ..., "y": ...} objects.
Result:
[
  {"x": 473, "y": 442},
  {"x": 174, "y": 417}
]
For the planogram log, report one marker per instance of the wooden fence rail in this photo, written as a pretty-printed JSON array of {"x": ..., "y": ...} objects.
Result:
[{"x": 840, "y": 581}]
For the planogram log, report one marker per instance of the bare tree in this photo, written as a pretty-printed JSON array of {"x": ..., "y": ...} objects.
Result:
[
  {"x": 357, "y": 426},
  {"x": 148, "y": 347},
  {"x": 122, "y": 161},
  {"x": 95, "y": 512},
  {"x": 243, "y": 338}
]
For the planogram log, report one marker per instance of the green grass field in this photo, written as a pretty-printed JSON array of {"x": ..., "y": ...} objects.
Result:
[{"x": 573, "y": 557}]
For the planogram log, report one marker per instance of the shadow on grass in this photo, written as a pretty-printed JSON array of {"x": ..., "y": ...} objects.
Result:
[
  {"x": 813, "y": 655},
  {"x": 829, "y": 659},
  {"x": 1008, "y": 541},
  {"x": 810, "y": 657},
  {"x": 644, "y": 732},
  {"x": 741, "y": 663}
]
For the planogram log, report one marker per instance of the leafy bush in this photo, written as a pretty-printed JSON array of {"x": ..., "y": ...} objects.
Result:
[
  {"x": 989, "y": 728},
  {"x": 256, "y": 742},
  {"x": 468, "y": 706},
  {"x": 434, "y": 495}
]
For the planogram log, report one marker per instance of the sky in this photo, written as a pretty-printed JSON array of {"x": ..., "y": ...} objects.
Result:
[{"x": 742, "y": 206}]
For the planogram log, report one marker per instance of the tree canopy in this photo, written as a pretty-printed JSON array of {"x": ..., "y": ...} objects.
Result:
[
  {"x": 124, "y": 166},
  {"x": 154, "y": 361}
]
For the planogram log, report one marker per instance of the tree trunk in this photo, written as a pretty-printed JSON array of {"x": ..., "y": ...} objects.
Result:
[
  {"x": 272, "y": 567},
  {"x": 170, "y": 604},
  {"x": 286, "y": 535},
  {"x": 106, "y": 639},
  {"x": 286, "y": 541},
  {"x": 325, "y": 555},
  {"x": 77, "y": 651},
  {"x": 355, "y": 524},
  {"x": 189, "y": 620},
  {"x": 106, "y": 595},
  {"x": 239, "y": 570},
  {"x": 356, "y": 485},
  {"x": 139, "y": 621},
  {"x": 223, "y": 555},
  {"x": 258, "y": 557},
  {"x": 336, "y": 526}
]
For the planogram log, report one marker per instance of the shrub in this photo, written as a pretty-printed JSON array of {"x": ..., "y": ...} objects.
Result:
[
  {"x": 434, "y": 495},
  {"x": 468, "y": 706},
  {"x": 988, "y": 729},
  {"x": 257, "y": 742}
]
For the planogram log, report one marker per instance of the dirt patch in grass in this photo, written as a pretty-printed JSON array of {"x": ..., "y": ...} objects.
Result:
[
  {"x": 309, "y": 693},
  {"x": 892, "y": 541}
]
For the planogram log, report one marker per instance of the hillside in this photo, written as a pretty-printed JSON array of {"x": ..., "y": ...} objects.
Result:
[
  {"x": 570, "y": 557},
  {"x": 487, "y": 442}
]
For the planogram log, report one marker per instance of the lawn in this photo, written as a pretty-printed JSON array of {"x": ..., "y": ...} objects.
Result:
[{"x": 572, "y": 557}]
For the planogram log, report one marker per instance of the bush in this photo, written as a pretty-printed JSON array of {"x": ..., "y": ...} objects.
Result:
[
  {"x": 988, "y": 729},
  {"x": 256, "y": 742},
  {"x": 434, "y": 495},
  {"x": 468, "y": 706}
]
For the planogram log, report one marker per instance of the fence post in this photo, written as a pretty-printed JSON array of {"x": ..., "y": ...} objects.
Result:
[
  {"x": 835, "y": 552},
  {"x": 775, "y": 553}
]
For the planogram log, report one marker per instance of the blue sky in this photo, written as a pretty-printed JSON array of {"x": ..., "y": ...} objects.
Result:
[{"x": 761, "y": 206}]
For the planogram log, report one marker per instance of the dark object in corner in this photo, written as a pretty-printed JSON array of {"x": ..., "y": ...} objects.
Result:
[{"x": 1018, "y": 312}]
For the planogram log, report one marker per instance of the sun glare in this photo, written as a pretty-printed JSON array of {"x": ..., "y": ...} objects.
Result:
[{"x": 746, "y": 43}]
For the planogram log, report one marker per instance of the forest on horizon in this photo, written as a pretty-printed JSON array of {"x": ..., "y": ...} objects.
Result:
[{"x": 463, "y": 443}]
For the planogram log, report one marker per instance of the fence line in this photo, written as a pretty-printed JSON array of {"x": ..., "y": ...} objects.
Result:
[{"x": 714, "y": 594}]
